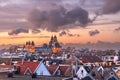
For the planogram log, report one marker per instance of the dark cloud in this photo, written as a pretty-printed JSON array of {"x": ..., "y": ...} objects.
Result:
[
  {"x": 62, "y": 33},
  {"x": 111, "y": 6},
  {"x": 55, "y": 19},
  {"x": 73, "y": 35},
  {"x": 117, "y": 29},
  {"x": 94, "y": 32},
  {"x": 35, "y": 31},
  {"x": 68, "y": 33},
  {"x": 17, "y": 31}
]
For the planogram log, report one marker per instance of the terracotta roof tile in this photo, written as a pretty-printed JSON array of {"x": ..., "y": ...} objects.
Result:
[
  {"x": 52, "y": 68},
  {"x": 64, "y": 68},
  {"x": 31, "y": 65}
]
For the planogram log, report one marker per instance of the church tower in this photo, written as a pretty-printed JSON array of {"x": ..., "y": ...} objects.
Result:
[
  {"x": 52, "y": 39},
  {"x": 55, "y": 38},
  {"x": 30, "y": 46},
  {"x": 32, "y": 49}
]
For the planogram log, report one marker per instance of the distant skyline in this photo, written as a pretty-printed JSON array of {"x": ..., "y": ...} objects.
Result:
[{"x": 72, "y": 21}]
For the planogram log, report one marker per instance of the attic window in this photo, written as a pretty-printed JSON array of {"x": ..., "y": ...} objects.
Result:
[
  {"x": 82, "y": 72},
  {"x": 111, "y": 73}
]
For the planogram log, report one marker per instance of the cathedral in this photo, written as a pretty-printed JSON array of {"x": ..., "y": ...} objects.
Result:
[
  {"x": 54, "y": 45},
  {"x": 30, "y": 46}
]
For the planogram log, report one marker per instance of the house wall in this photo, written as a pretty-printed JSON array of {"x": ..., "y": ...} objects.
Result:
[
  {"x": 42, "y": 70},
  {"x": 82, "y": 72}
]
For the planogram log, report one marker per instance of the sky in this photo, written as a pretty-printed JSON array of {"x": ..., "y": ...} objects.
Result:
[{"x": 72, "y": 21}]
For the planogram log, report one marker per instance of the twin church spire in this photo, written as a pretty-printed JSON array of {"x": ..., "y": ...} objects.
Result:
[{"x": 54, "y": 38}]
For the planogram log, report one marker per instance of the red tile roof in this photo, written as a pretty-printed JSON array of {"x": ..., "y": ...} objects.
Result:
[
  {"x": 52, "y": 68},
  {"x": 64, "y": 68},
  {"x": 31, "y": 65}
]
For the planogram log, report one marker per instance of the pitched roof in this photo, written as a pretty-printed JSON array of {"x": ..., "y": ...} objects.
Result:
[
  {"x": 89, "y": 59},
  {"x": 31, "y": 65},
  {"x": 52, "y": 68},
  {"x": 95, "y": 74},
  {"x": 70, "y": 72},
  {"x": 109, "y": 72},
  {"x": 64, "y": 68}
]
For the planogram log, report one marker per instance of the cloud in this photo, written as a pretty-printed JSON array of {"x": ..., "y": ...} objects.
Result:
[
  {"x": 55, "y": 20},
  {"x": 62, "y": 33},
  {"x": 53, "y": 17},
  {"x": 111, "y": 6},
  {"x": 35, "y": 31},
  {"x": 68, "y": 34},
  {"x": 117, "y": 29},
  {"x": 17, "y": 31},
  {"x": 23, "y": 37},
  {"x": 73, "y": 35},
  {"x": 94, "y": 32}
]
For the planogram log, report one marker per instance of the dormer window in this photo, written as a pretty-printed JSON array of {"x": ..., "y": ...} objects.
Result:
[{"x": 82, "y": 72}]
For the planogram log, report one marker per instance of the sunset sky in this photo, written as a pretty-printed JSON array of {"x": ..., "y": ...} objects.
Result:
[{"x": 73, "y": 21}]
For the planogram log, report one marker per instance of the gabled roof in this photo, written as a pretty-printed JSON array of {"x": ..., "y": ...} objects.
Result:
[
  {"x": 28, "y": 70},
  {"x": 70, "y": 72},
  {"x": 64, "y": 68},
  {"x": 108, "y": 73},
  {"x": 95, "y": 74},
  {"x": 52, "y": 68},
  {"x": 31, "y": 65}
]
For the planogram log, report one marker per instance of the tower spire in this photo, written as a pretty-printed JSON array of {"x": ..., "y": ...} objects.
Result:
[
  {"x": 55, "y": 38},
  {"x": 51, "y": 38}
]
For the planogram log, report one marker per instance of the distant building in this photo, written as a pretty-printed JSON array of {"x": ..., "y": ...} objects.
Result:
[
  {"x": 30, "y": 46},
  {"x": 28, "y": 68},
  {"x": 55, "y": 45}
]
